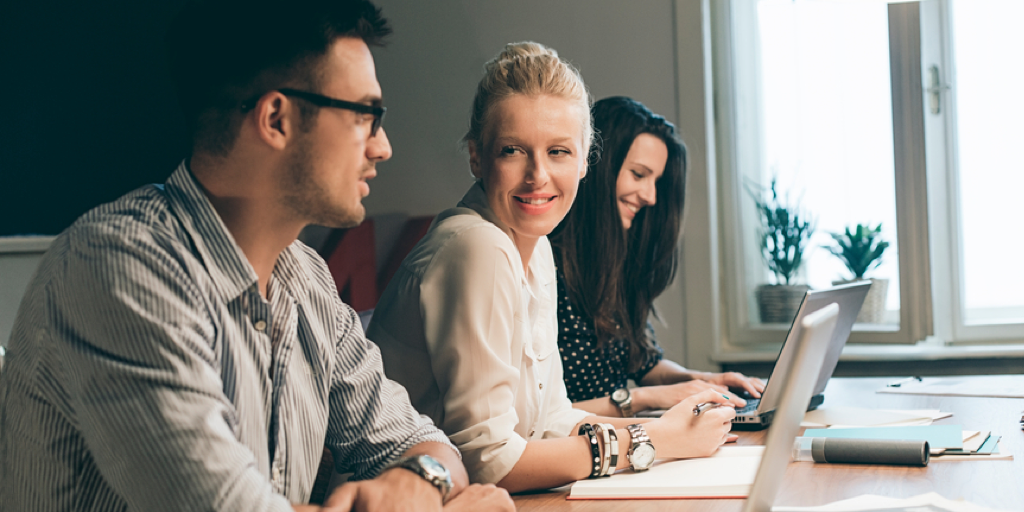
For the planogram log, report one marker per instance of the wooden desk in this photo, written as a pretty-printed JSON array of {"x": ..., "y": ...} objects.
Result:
[{"x": 998, "y": 484}]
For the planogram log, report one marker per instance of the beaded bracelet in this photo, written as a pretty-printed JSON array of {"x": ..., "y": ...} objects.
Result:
[
  {"x": 601, "y": 429},
  {"x": 612, "y": 447},
  {"x": 595, "y": 451}
]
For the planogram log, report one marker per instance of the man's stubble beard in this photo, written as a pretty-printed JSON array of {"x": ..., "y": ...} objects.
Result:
[{"x": 309, "y": 199}]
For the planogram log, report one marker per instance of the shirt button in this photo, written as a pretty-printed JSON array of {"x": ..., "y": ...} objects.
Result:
[
  {"x": 260, "y": 325},
  {"x": 541, "y": 385}
]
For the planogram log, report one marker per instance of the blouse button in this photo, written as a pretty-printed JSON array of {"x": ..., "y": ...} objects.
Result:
[{"x": 541, "y": 385}]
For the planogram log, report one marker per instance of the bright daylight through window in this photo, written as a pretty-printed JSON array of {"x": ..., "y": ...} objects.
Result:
[
  {"x": 989, "y": 132},
  {"x": 822, "y": 173}
]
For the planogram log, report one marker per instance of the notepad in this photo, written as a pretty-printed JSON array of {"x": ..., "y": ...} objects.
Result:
[
  {"x": 729, "y": 473},
  {"x": 939, "y": 437}
]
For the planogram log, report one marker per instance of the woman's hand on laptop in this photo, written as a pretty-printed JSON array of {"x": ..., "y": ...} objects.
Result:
[
  {"x": 752, "y": 385},
  {"x": 667, "y": 396},
  {"x": 690, "y": 430}
]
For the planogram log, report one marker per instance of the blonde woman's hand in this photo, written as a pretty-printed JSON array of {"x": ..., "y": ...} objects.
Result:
[{"x": 681, "y": 434}]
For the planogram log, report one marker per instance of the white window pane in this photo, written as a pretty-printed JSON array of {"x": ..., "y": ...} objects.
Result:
[
  {"x": 828, "y": 125},
  {"x": 987, "y": 45}
]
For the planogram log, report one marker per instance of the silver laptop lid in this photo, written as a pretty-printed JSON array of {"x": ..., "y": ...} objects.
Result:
[
  {"x": 849, "y": 298},
  {"x": 795, "y": 386}
]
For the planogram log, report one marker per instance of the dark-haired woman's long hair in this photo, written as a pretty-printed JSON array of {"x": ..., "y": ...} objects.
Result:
[{"x": 612, "y": 274}]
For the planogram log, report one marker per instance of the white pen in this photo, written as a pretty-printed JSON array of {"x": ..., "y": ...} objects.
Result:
[
  {"x": 699, "y": 408},
  {"x": 901, "y": 382}
]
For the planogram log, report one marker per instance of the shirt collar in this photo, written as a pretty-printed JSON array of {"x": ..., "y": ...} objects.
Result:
[
  {"x": 476, "y": 200},
  {"x": 224, "y": 260}
]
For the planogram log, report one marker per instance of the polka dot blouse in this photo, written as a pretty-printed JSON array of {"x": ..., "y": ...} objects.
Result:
[{"x": 589, "y": 372}]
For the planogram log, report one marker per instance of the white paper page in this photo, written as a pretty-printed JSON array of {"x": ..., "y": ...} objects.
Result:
[
  {"x": 729, "y": 466},
  {"x": 860, "y": 417},
  {"x": 997, "y": 386},
  {"x": 931, "y": 502},
  {"x": 974, "y": 441}
]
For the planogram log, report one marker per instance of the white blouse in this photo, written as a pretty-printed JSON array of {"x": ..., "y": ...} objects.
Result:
[{"x": 473, "y": 339}]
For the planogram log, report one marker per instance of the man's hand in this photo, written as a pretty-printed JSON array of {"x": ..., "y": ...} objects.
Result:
[
  {"x": 481, "y": 497},
  {"x": 396, "y": 489}
]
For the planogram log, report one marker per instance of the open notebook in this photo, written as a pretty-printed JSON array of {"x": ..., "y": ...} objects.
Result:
[{"x": 734, "y": 471}]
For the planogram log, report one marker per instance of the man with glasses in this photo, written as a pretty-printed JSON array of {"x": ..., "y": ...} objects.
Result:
[{"x": 178, "y": 349}]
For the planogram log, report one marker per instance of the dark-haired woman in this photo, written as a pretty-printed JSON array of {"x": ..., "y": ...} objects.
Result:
[{"x": 615, "y": 252}]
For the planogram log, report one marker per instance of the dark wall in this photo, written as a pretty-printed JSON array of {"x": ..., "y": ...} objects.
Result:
[{"x": 88, "y": 113}]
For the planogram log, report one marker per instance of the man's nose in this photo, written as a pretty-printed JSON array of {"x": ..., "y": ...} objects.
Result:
[{"x": 378, "y": 148}]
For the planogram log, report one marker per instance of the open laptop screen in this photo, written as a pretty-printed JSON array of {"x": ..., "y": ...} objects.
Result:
[{"x": 849, "y": 298}]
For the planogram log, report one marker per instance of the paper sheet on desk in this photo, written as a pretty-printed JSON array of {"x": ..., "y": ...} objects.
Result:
[
  {"x": 860, "y": 417},
  {"x": 996, "y": 386},
  {"x": 931, "y": 502}
]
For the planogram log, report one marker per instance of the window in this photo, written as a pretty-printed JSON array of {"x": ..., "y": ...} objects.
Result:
[
  {"x": 972, "y": 123},
  {"x": 876, "y": 113}
]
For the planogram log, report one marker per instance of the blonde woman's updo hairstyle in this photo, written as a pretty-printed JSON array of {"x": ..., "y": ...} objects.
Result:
[{"x": 531, "y": 69}]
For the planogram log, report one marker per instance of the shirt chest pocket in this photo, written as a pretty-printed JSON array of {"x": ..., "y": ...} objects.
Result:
[{"x": 537, "y": 323}]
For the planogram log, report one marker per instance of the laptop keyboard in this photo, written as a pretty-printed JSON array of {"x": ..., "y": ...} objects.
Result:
[{"x": 750, "y": 407}]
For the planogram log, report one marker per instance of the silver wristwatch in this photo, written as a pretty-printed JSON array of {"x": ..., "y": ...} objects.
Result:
[
  {"x": 641, "y": 451},
  {"x": 430, "y": 470},
  {"x": 623, "y": 399}
]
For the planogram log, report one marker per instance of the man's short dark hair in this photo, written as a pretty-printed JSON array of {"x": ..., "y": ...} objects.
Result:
[{"x": 223, "y": 52}]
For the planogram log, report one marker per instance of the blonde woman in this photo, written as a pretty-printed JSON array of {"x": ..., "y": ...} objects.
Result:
[{"x": 468, "y": 324}]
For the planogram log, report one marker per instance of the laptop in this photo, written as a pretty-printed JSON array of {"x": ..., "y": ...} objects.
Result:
[
  {"x": 758, "y": 413},
  {"x": 810, "y": 351}
]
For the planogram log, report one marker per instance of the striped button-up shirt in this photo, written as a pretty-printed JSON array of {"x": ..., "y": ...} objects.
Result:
[{"x": 146, "y": 372}]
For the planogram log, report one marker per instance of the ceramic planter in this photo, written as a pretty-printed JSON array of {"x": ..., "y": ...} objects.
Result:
[
  {"x": 778, "y": 303},
  {"x": 873, "y": 310}
]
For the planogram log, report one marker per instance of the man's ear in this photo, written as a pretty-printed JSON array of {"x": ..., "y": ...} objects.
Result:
[
  {"x": 274, "y": 120},
  {"x": 474, "y": 160}
]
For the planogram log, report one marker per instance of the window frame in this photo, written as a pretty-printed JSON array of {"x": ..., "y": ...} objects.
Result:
[
  {"x": 733, "y": 113},
  {"x": 943, "y": 185}
]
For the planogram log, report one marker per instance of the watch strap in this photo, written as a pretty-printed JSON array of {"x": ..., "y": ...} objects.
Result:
[
  {"x": 638, "y": 436},
  {"x": 416, "y": 465},
  {"x": 625, "y": 406}
]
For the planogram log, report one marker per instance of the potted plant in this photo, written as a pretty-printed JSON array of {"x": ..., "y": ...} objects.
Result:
[
  {"x": 783, "y": 236},
  {"x": 861, "y": 249}
]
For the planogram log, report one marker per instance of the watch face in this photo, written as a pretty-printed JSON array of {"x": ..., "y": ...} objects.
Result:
[
  {"x": 433, "y": 467},
  {"x": 643, "y": 455},
  {"x": 620, "y": 394}
]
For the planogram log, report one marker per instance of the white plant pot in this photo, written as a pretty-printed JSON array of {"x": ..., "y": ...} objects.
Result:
[{"x": 873, "y": 310}]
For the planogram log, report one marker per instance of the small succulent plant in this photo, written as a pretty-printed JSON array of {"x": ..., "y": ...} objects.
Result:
[
  {"x": 860, "y": 248},
  {"x": 784, "y": 233}
]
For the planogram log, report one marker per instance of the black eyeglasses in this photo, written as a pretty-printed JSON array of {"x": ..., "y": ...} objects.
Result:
[{"x": 323, "y": 101}]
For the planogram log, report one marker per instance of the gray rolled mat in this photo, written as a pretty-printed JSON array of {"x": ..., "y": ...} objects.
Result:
[{"x": 870, "y": 451}]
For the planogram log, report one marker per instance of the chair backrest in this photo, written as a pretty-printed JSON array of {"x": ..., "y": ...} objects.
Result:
[
  {"x": 353, "y": 266},
  {"x": 363, "y": 259}
]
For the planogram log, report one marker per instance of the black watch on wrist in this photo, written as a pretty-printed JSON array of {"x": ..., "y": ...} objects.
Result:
[
  {"x": 430, "y": 470},
  {"x": 623, "y": 399}
]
